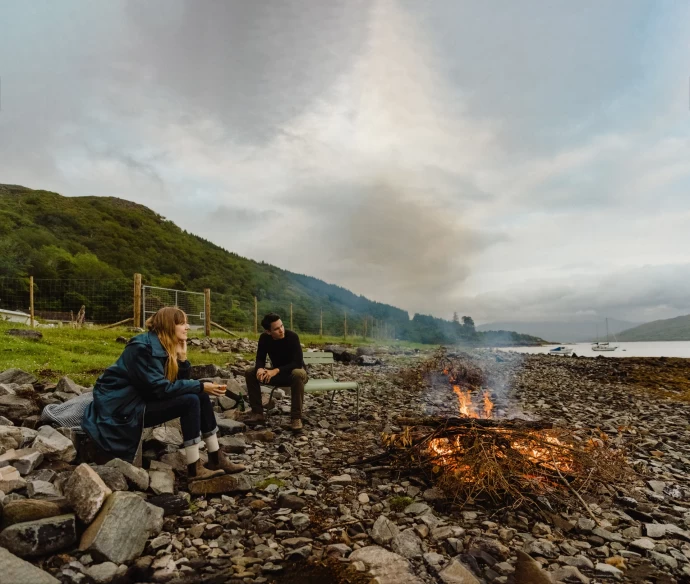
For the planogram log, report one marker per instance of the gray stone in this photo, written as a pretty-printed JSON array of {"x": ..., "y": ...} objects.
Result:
[
  {"x": 608, "y": 535},
  {"x": 664, "y": 560},
  {"x": 417, "y": 509},
  {"x": 17, "y": 408},
  {"x": 233, "y": 444},
  {"x": 338, "y": 549},
  {"x": 16, "y": 376},
  {"x": 14, "y": 570},
  {"x": 86, "y": 492},
  {"x": 10, "y": 480},
  {"x": 457, "y": 573},
  {"x": 570, "y": 574},
  {"x": 608, "y": 571},
  {"x": 385, "y": 566},
  {"x": 42, "y": 490},
  {"x": 384, "y": 530},
  {"x": 41, "y": 537},
  {"x": 236, "y": 483},
  {"x": 167, "y": 435},
  {"x": 162, "y": 481},
  {"x": 655, "y": 530},
  {"x": 66, "y": 385},
  {"x": 540, "y": 547},
  {"x": 54, "y": 445},
  {"x": 291, "y": 501},
  {"x": 344, "y": 479},
  {"x": 26, "y": 460},
  {"x": 112, "y": 477},
  {"x": 528, "y": 570},
  {"x": 300, "y": 521},
  {"x": 644, "y": 543},
  {"x": 137, "y": 477},
  {"x": 407, "y": 544},
  {"x": 227, "y": 426},
  {"x": 23, "y": 510},
  {"x": 300, "y": 553},
  {"x": 657, "y": 486},
  {"x": 121, "y": 528},
  {"x": 105, "y": 572}
]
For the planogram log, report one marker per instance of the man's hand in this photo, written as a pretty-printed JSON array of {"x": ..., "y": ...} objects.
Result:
[
  {"x": 214, "y": 389},
  {"x": 182, "y": 350},
  {"x": 260, "y": 373},
  {"x": 265, "y": 375}
]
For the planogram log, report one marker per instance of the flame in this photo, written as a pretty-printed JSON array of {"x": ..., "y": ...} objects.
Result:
[{"x": 469, "y": 409}]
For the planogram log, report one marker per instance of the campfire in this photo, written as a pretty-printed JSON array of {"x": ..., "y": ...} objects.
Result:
[{"x": 475, "y": 456}]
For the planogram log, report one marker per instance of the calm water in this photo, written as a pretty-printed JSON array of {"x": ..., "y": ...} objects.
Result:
[{"x": 641, "y": 349}]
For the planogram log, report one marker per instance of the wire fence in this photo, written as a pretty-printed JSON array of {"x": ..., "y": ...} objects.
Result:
[{"x": 104, "y": 302}]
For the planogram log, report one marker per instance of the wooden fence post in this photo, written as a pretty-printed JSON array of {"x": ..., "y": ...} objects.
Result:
[
  {"x": 256, "y": 315},
  {"x": 207, "y": 312},
  {"x": 31, "y": 300},
  {"x": 137, "y": 300}
]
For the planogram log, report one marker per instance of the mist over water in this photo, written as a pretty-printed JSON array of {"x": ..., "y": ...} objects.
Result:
[{"x": 637, "y": 349}]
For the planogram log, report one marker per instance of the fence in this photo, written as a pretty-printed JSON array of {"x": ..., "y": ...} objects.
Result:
[{"x": 122, "y": 301}]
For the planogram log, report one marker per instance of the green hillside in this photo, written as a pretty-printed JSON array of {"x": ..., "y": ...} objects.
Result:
[
  {"x": 69, "y": 243},
  {"x": 670, "y": 329}
]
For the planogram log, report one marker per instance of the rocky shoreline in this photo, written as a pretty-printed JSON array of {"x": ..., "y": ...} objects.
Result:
[{"x": 303, "y": 501}]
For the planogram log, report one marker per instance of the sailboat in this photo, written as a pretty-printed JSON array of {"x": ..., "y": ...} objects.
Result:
[{"x": 604, "y": 345}]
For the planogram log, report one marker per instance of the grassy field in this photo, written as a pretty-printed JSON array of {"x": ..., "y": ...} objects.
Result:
[{"x": 83, "y": 354}]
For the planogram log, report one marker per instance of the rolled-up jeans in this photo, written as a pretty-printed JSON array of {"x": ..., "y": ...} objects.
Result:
[
  {"x": 295, "y": 380},
  {"x": 195, "y": 411}
]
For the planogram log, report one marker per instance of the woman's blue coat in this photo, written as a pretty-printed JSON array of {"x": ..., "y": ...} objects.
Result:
[{"x": 115, "y": 418}]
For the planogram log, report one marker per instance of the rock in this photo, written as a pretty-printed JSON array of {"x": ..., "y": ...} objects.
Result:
[
  {"x": 608, "y": 571},
  {"x": 54, "y": 445},
  {"x": 66, "y": 385},
  {"x": 457, "y": 573},
  {"x": 137, "y": 477},
  {"x": 233, "y": 444},
  {"x": 385, "y": 566},
  {"x": 26, "y": 460},
  {"x": 300, "y": 521},
  {"x": 417, "y": 509},
  {"x": 171, "y": 504},
  {"x": 528, "y": 570},
  {"x": 30, "y": 334},
  {"x": 162, "y": 479},
  {"x": 17, "y": 376},
  {"x": 86, "y": 492},
  {"x": 344, "y": 479},
  {"x": 259, "y": 436},
  {"x": 541, "y": 547},
  {"x": 10, "y": 480},
  {"x": 167, "y": 435},
  {"x": 14, "y": 570},
  {"x": 112, "y": 477},
  {"x": 492, "y": 547},
  {"x": 570, "y": 574},
  {"x": 105, "y": 572},
  {"x": 17, "y": 408},
  {"x": 290, "y": 501},
  {"x": 227, "y": 426},
  {"x": 24, "y": 510},
  {"x": 42, "y": 490},
  {"x": 338, "y": 550},
  {"x": 301, "y": 553},
  {"x": 224, "y": 484},
  {"x": 40, "y": 537},
  {"x": 121, "y": 528},
  {"x": 407, "y": 544},
  {"x": 643, "y": 543},
  {"x": 205, "y": 371},
  {"x": 384, "y": 530}
]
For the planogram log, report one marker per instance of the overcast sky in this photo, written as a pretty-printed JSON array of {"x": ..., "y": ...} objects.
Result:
[{"x": 508, "y": 160}]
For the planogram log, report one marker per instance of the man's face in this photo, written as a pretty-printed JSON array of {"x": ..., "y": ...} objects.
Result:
[{"x": 277, "y": 330}]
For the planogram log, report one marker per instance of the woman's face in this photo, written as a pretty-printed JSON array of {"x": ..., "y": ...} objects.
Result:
[{"x": 181, "y": 331}]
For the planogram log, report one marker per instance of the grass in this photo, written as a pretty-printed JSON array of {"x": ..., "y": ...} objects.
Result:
[
  {"x": 270, "y": 481},
  {"x": 83, "y": 353},
  {"x": 399, "y": 503}
]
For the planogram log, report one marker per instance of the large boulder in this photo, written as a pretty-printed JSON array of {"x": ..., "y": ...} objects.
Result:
[
  {"x": 162, "y": 478},
  {"x": 17, "y": 408},
  {"x": 54, "y": 445},
  {"x": 384, "y": 530},
  {"x": 86, "y": 492},
  {"x": 22, "y": 510},
  {"x": 136, "y": 477},
  {"x": 66, "y": 385},
  {"x": 15, "y": 570},
  {"x": 121, "y": 528},
  {"x": 16, "y": 376},
  {"x": 41, "y": 537}
]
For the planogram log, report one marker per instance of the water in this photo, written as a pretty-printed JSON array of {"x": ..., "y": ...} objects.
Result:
[{"x": 639, "y": 349}]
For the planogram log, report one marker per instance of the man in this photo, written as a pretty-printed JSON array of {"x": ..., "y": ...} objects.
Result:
[{"x": 285, "y": 351}]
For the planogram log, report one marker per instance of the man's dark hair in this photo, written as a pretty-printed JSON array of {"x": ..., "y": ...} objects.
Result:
[{"x": 268, "y": 320}]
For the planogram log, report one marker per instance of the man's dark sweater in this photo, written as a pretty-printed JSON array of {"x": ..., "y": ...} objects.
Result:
[{"x": 285, "y": 353}]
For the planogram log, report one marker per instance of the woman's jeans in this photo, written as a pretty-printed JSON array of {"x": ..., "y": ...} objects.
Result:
[{"x": 194, "y": 410}]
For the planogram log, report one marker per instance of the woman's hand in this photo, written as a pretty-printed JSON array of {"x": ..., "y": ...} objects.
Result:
[
  {"x": 214, "y": 389},
  {"x": 182, "y": 350}
]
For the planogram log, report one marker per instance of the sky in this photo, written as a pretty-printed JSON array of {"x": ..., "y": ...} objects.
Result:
[{"x": 524, "y": 161}]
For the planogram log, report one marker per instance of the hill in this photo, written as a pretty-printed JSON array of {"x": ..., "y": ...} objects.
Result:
[
  {"x": 562, "y": 332},
  {"x": 670, "y": 329},
  {"x": 105, "y": 239}
]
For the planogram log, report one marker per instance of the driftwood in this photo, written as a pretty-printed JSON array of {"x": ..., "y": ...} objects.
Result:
[{"x": 456, "y": 422}]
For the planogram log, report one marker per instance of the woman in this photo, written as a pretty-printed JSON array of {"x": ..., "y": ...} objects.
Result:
[{"x": 148, "y": 385}]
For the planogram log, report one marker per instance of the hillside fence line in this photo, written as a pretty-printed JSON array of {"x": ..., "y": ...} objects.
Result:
[{"x": 120, "y": 302}]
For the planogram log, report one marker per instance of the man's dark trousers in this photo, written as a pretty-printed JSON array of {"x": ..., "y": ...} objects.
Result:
[{"x": 296, "y": 380}]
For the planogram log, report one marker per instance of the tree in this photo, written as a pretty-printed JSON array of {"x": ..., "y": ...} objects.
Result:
[{"x": 468, "y": 323}]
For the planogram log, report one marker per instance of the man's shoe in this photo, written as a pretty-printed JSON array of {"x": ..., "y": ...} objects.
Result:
[
  {"x": 198, "y": 472},
  {"x": 251, "y": 419},
  {"x": 296, "y": 425},
  {"x": 220, "y": 460}
]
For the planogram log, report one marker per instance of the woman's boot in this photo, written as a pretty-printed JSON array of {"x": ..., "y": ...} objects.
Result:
[
  {"x": 197, "y": 472},
  {"x": 220, "y": 460}
]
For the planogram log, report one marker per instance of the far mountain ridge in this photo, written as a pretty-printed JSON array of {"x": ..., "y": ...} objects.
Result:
[
  {"x": 668, "y": 329},
  {"x": 563, "y": 331}
]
